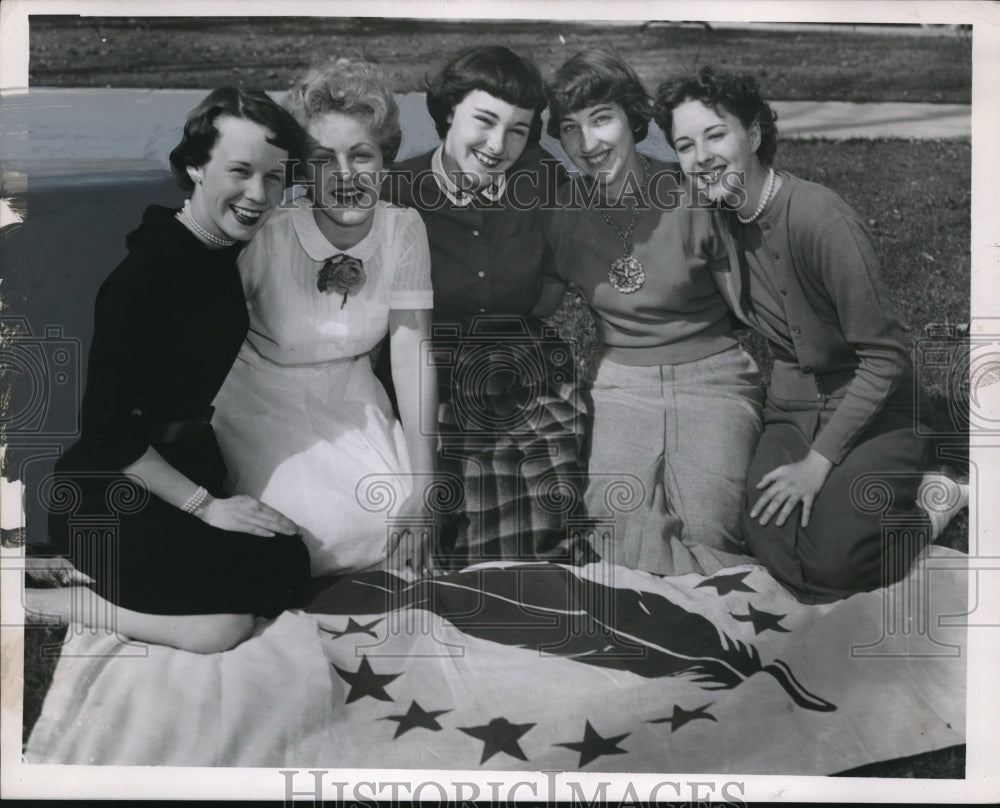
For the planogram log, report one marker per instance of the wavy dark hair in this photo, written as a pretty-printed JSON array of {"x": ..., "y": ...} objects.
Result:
[
  {"x": 201, "y": 133},
  {"x": 736, "y": 93},
  {"x": 351, "y": 86},
  {"x": 493, "y": 69},
  {"x": 598, "y": 77}
]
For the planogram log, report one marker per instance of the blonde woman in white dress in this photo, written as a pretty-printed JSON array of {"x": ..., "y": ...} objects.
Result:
[{"x": 302, "y": 421}]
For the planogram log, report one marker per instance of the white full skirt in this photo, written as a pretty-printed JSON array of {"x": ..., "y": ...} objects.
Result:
[{"x": 320, "y": 444}]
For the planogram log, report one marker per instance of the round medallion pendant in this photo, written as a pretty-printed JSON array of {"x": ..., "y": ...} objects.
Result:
[{"x": 627, "y": 275}]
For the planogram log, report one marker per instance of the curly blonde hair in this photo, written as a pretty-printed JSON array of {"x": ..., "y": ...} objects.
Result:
[{"x": 352, "y": 87}]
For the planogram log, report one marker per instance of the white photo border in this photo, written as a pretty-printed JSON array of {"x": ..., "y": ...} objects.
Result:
[{"x": 982, "y": 781}]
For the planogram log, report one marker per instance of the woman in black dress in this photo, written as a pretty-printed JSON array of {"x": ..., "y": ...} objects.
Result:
[{"x": 136, "y": 504}]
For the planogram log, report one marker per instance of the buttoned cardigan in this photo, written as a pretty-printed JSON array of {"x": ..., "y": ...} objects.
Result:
[{"x": 839, "y": 324}]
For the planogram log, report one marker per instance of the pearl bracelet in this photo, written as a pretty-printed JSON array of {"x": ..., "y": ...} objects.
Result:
[{"x": 193, "y": 502}]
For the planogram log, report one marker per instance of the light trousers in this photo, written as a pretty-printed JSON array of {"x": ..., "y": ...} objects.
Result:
[{"x": 669, "y": 450}]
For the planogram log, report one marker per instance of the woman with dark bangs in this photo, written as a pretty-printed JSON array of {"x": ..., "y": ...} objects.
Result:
[
  {"x": 510, "y": 423},
  {"x": 185, "y": 565},
  {"x": 840, "y": 403},
  {"x": 676, "y": 401}
]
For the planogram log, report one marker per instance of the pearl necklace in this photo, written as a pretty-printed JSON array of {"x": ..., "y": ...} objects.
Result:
[
  {"x": 763, "y": 201},
  {"x": 187, "y": 218}
]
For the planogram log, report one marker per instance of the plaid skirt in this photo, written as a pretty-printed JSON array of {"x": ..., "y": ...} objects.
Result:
[{"x": 512, "y": 423}]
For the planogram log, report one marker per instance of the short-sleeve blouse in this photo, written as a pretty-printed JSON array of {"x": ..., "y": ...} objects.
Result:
[{"x": 293, "y": 323}]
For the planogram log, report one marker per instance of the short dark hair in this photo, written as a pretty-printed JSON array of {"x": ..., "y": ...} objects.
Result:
[
  {"x": 493, "y": 69},
  {"x": 736, "y": 93},
  {"x": 351, "y": 86},
  {"x": 597, "y": 77},
  {"x": 201, "y": 133}
]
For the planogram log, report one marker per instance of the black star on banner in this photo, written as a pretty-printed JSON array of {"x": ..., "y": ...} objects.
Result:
[
  {"x": 499, "y": 736},
  {"x": 593, "y": 745},
  {"x": 724, "y": 584},
  {"x": 365, "y": 682},
  {"x": 354, "y": 627},
  {"x": 682, "y": 716},
  {"x": 762, "y": 621},
  {"x": 415, "y": 717}
]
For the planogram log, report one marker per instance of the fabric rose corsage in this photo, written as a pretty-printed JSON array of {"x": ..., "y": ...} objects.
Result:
[{"x": 342, "y": 274}]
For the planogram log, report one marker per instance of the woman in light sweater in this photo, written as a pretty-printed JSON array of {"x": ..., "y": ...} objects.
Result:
[{"x": 676, "y": 402}]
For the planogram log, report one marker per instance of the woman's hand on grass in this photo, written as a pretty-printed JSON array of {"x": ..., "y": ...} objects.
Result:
[
  {"x": 245, "y": 514},
  {"x": 55, "y": 571},
  {"x": 787, "y": 486},
  {"x": 412, "y": 551}
]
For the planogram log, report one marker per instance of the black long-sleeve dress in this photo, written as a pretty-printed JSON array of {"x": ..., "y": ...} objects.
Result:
[{"x": 169, "y": 321}]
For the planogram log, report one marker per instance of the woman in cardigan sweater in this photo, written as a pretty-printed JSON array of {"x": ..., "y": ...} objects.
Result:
[{"x": 838, "y": 425}]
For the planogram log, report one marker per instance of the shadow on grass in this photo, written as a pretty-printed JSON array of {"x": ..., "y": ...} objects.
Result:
[
  {"x": 38, "y": 671},
  {"x": 941, "y": 764}
]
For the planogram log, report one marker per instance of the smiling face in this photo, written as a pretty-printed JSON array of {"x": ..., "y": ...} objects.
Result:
[
  {"x": 241, "y": 182},
  {"x": 351, "y": 175},
  {"x": 599, "y": 141},
  {"x": 485, "y": 137},
  {"x": 715, "y": 148}
]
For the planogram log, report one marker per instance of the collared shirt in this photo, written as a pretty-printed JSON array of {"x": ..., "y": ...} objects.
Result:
[
  {"x": 458, "y": 196},
  {"x": 292, "y": 322},
  {"x": 486, "y": 256}
]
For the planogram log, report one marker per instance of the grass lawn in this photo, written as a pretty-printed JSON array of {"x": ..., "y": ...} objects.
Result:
[{"x": 270, "y": 53}]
